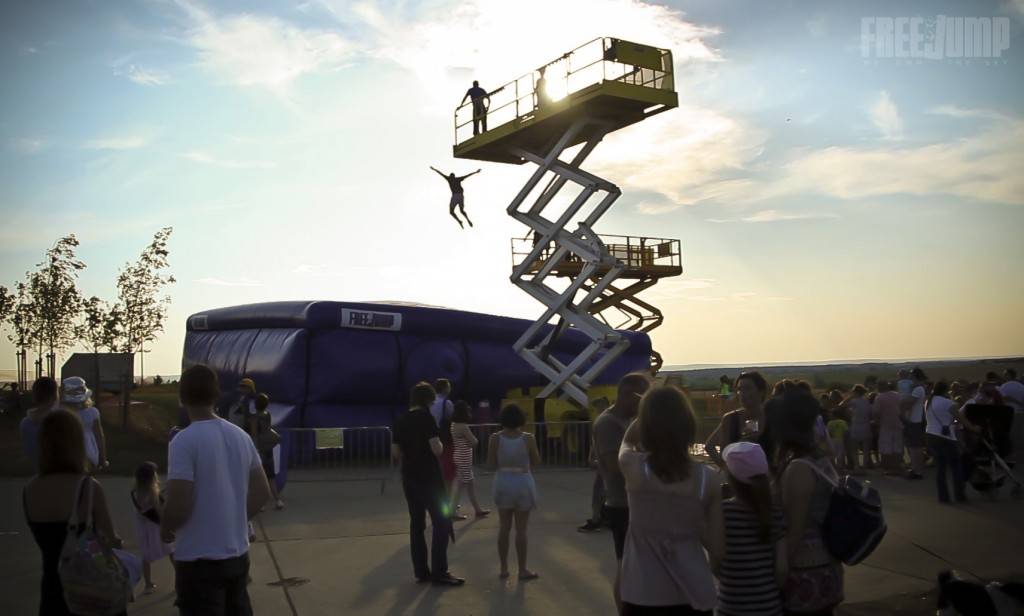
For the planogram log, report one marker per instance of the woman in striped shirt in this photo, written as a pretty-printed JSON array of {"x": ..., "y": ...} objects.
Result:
[{"x": 753, "y": 567}]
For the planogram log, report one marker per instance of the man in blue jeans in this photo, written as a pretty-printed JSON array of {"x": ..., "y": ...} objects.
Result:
[{"x": 416, "y": 443}]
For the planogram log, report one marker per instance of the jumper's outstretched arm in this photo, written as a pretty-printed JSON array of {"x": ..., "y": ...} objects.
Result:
[
  {"x": 439, "y": 173},
  {"x": 469, "y": 174}
]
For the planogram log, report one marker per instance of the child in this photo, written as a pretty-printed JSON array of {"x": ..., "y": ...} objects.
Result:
[
  {"x": 76, "y": 397},
  {"x": 149, "y": 506},
  {"x": 463, "y": 442},
  {"x": 837, "y": 431},
  {"x": 753, "y": 567},
  {"x": 258, "y": 425}
]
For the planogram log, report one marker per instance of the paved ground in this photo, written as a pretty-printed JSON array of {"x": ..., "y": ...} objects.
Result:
[{"x": 343, "y": 545}]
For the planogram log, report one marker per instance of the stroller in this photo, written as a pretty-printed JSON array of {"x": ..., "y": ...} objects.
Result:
[{"x": 987, "y": 468}]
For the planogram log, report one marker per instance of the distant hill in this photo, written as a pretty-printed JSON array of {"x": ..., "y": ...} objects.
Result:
[{"x": 847, "y": 373}]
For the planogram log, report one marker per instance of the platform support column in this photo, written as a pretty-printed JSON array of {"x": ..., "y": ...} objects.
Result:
[{"x": 599, "y": 268}]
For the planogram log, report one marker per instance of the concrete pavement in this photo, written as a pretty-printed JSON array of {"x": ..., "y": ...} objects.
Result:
[{"x": 341, "y": 548}]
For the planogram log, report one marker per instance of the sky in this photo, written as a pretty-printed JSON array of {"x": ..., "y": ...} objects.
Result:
[{"x": 832, "y": 202}]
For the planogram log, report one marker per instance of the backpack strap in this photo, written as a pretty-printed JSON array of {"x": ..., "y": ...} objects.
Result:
[
  {"x": 700, "y": 484},
  {"x": 832, "y": 481},
  {"x": 736, "y": 431},
  {"x": 73, "y": 516}
]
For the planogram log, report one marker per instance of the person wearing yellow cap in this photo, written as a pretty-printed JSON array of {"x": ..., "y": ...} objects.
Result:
[{"x": 243, "y": 404}]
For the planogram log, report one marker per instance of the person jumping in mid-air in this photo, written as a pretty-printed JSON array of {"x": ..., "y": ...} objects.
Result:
[{"x": 458, "y": 198}]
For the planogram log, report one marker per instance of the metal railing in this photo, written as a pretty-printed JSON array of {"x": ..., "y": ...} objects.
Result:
[
  {"x": 633, "y": 251},
  {"x": 592, "y": 63},
  {"x": 364, "y": 453}
]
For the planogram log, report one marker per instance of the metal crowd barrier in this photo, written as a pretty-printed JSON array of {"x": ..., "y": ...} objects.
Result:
[{"x": 364, "y": 453}]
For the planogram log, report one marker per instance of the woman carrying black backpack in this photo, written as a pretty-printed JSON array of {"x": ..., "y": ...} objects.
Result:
[{"x": 814, "y": 584}]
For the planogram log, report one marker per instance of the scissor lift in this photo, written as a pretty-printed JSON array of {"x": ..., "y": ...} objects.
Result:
[{"x": 589, "y": 92}]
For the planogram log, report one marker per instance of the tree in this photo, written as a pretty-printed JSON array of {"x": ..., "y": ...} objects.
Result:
[
  {"x": 7, "y": 302},
  {"x": 141, "y": 309},
  {"x": 55, "y": 297},
  {"x": 94, "y": 331},
  {"x": 25, "y": 327}
]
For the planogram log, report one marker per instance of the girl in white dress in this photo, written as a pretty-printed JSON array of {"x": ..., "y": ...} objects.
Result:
[
  {"x": 77, "y": 398},
  {"x": 149, "y": 506}
]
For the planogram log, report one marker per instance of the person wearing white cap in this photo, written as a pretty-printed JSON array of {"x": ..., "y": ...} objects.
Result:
[
  {"x": 76, "y": 397},
  {"x": 753, "y": 567}
]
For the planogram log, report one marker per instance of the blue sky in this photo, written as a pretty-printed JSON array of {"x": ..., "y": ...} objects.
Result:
[{"x": 830, "y": 205}]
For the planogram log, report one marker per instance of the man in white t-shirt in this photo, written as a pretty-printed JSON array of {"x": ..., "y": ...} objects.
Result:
[
  {"x": 215, "y": 485},
  {"x": 442, "y": 408},
  {"x": 1012, "y": 391},
  {"x": 913, "y": 431}
]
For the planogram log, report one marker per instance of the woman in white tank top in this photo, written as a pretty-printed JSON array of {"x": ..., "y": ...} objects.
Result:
[{"x": 513, "y": 453}]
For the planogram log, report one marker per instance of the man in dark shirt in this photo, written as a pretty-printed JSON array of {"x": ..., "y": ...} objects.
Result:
[
  {"x": 481, "y": 101},
  {"x": 458, "y": 198},
  {"x": 417, "y": 445},
  {"x": 608, "y": 431}
]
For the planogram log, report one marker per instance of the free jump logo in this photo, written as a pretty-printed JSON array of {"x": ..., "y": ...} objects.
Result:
[
  {"x": 367, "y": 319},
  {"x": 937, "y": 38}
]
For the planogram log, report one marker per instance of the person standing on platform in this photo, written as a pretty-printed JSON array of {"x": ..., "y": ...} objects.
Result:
[
  {"x": 543, "y": 98},
  {"x": 481, "y": 102},
  {"x": 458, "y": 195},
  {"x": 416, "y": 445},
  {"x": 609, "y": 430}
]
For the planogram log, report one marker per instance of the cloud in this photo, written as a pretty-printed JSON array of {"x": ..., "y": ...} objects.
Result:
[
  {"x": 741, "y": 298},
  {"x": 984, "y": 165},
  {"x": 263, "y": 51},
  {"x": 122, "y": 142},
  {"x": 142, "y": 76},
  {"x": 479, "y": 34},
  {"x": 691, "y": 283},
  {"x": 687, "y": 155},
  {"x": 226, "y": 163},
  {"x": 886, "y": 117},
  {"x": 315, "y": 271},
  {"x": 219, "y": 282},
  {"x": 953, "y": 111},
  {"x": 775, "y": 216},
  {"x": 28, "y": 145}
]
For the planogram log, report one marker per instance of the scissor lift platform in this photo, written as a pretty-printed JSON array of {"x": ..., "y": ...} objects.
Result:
[
  {"x": 615, "y": 81},
  {"x": 579, "y": 98}
]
